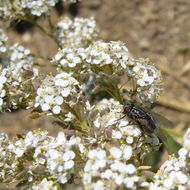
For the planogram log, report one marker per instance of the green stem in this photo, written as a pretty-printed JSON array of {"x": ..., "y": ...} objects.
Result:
[
  {"x": 108, "y": 91},
  {"x": 81, "y": 122},
  {"x": 118, "y": 94},
  {"x": 32, "y": 21},
  {"x": 81, "y": 126},
  {"x": 115, "y": 87},
  {"x": 134, "y": 86},
  {"x": 123, "y": 84},
  {"x": 40, "y": 57},
  {"x": 50, "y": 23},
  {"x": 84, "y": 126}
]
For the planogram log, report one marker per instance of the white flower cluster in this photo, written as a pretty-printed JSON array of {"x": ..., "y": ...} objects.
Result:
[
  {"x": 53, "y": 155},
  {"x": 6, "y": 11},
  {"x": 115, "y": 54},
  {"x": 80, "y": 32},
  {"x": 71, "y": 59},
  {"x": 3, "y": 39},
  {"x": 106, "y": 125},
  {"x": 38, "y": 7},
  {"x": 16, "y": 76},
  {"x": 112, "y": 59},
  {"x": 99, "y": 54},
  {"x": 5, "y": 157},
  {"x": 109, "y": 170},
  {"x": 111, "y": 53},
  {"x": 149, "y": 80},
  {"x": 175, "y": 172},
  {"x": 20, "y": 61},
  {"x": 60, "y": 158},
  {"x": 56, "y": 91},
  {"x": 11, "y": 8},
  {"x": 3, "y": 80},
  {"x": 44, "y": 184},
  {"x": 109, "y": 111}
]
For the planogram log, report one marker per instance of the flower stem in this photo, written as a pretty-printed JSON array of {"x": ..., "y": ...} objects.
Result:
[
  {"x": 50, "y": 23},
  {"x": 32, "y": 21},
  {"x": 40, "y": 57}
]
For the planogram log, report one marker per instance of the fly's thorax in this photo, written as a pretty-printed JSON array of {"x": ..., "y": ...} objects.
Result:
[{"x": 141, "y": 117}]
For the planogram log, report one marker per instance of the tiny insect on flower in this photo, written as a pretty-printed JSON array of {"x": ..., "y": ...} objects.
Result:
[
  {"x": 147, "y": 124},
  {"x": 137, "y": 113},
  {"x": 142, "y": 118}
]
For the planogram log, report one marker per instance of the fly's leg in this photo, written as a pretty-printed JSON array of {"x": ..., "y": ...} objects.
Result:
[
  {"x": 120, "y": 118},
  {"x": 140, "y": 139}
]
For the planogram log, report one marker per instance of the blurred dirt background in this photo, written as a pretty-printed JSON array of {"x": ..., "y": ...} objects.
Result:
[{"x": 159, "y": 30}]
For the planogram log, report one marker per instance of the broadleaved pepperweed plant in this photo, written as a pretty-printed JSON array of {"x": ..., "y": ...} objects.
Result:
[{"x": 96, "y": 149}]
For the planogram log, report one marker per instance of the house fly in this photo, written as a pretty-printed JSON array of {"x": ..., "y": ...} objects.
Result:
[
  {"x": 151, "y": 123},
  {"x": 137, "y": 113},
  {"x": 144, "y": 120}
]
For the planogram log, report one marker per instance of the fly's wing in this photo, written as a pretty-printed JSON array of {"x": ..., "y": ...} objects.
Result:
[
  {"x": 171, "y": 145},
  {"x": 160, "y": 134},
  {"x": 161, "y": 121}
]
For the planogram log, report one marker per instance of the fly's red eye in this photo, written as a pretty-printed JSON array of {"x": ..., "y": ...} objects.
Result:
[{"x": 126, "y": 108}]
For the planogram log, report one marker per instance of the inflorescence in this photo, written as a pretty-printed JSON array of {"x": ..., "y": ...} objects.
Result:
[
  {"x": 14, "y": 8},
  {"x": 96, "y": 148}
]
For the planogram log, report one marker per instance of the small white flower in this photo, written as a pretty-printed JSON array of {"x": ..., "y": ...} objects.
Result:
[
  {"x": 130, "y": 169},
  {"x": 115, "y": 152},
  {"x": 182, "y": 152},
  {"x": 101, "y": 154},
  {"x": 58, "y": 56},
  {"x": 92, "y": 154},
  {"x": 182, "y": 177},
  {"x": 127, "y": 152},
  {"x": 129, "y": 140},
  {"x": 68, "y": 165},
  {"x": 116, "y": 134},
  {"x": 107, "y": 174},
  {"x": 119, "y": 180},
  {"x": 65, "y": 92},
  {"x": 56, "y": 110},
  {"x": 45, "y": 107},
  {"x": 58, "y": 100}
]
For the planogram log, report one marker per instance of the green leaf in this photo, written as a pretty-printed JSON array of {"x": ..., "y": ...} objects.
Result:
[
  {"x": 171, "y": 144},
  {"x": 153, "y": 160}
]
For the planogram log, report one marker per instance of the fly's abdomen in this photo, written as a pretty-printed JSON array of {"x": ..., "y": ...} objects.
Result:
[{"x": 143, "y": 119}]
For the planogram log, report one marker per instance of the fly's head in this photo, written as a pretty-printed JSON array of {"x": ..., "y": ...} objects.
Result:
[{"x": 127, "y": 108}]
